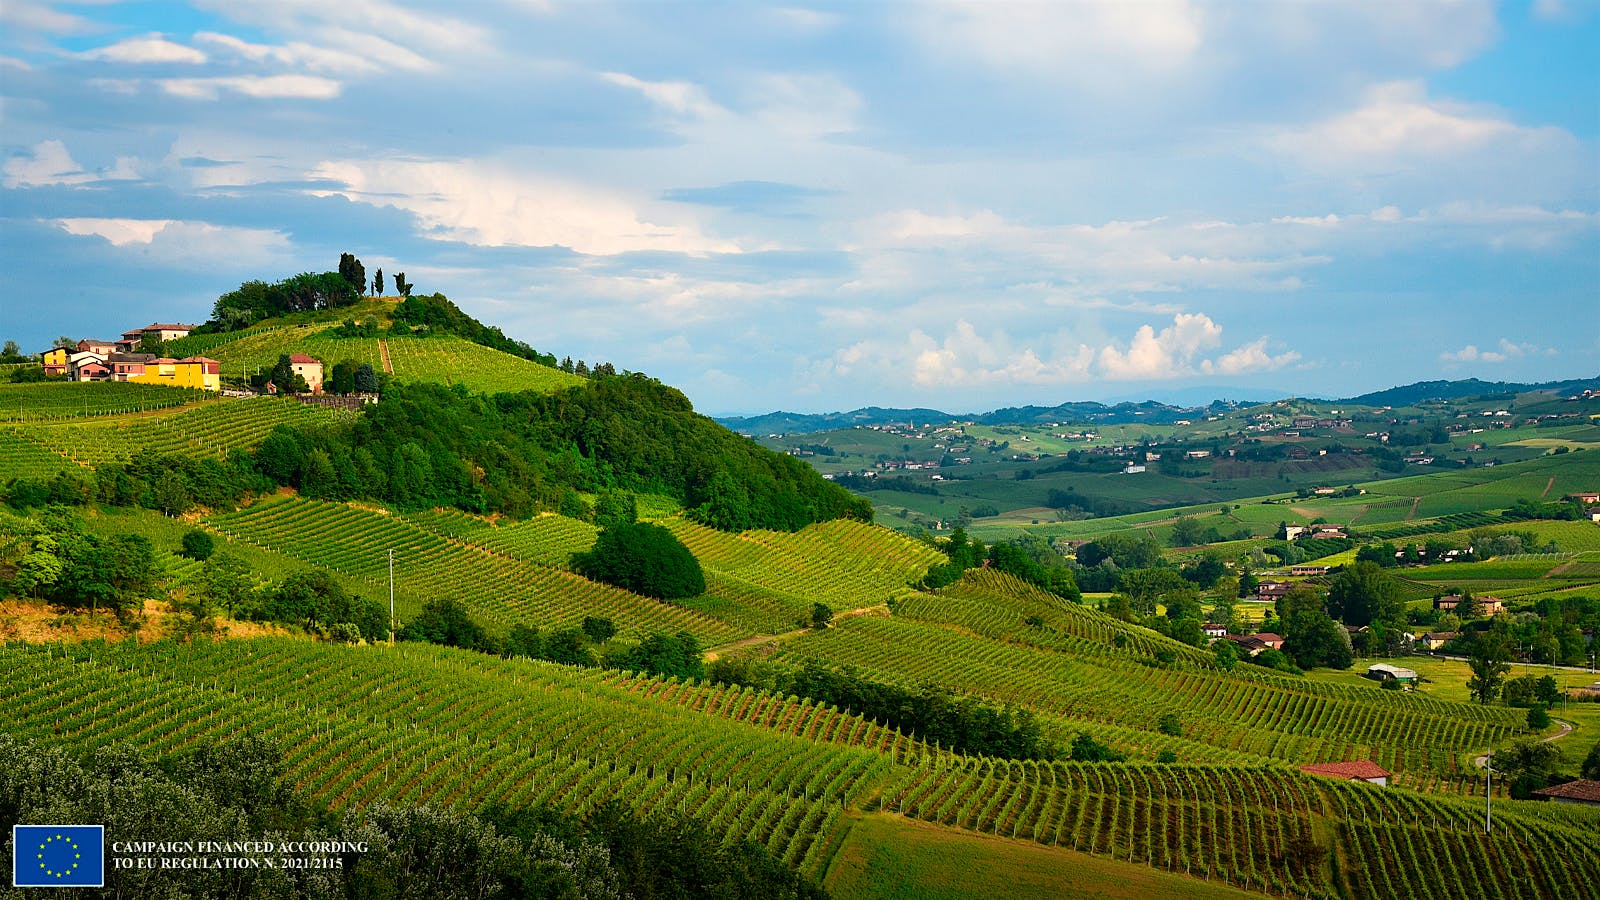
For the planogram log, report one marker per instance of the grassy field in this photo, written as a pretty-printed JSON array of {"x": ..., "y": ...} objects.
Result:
[{"x": 887, "y": 857}]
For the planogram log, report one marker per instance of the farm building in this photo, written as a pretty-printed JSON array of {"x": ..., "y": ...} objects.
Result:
[
  {"x": 1433, "y": 640},
  {"x": 1491, "y": 606},
  {"x": 309, "y": 368},
  {"x": 55, "y": 361},
  {"x": 1308, "y": 570},
  {"x": 160, "y": 331},
  {"x": 1586, "y": 793},
  {"x": 1356, "y": 770},
  {"x": 1386, "y": 672}
]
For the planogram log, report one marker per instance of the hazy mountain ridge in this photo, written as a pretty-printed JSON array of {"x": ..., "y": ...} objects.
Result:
[{"x": 1151, "y": 411}]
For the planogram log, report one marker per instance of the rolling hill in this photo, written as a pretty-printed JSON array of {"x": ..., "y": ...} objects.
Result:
[{"x": 1208, "y": 797}]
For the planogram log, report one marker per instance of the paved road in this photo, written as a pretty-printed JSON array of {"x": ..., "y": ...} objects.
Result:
[{"x": 1566, "y": 729}]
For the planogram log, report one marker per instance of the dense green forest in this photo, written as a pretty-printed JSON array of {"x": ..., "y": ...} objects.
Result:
[{"x": 429, "y": 445}]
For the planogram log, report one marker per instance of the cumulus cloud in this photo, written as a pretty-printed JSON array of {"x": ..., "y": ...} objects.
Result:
[
  {"x": 151, "y": 48},
  {"x": 1398, "y": 122},
  {"x": 493, "y": 205},
  {"x": 1506, "y": 352},
  {"x": 966, "y": 357},
  {"x": 178, "y": 242},
  {"x": 48, "y": 163}
]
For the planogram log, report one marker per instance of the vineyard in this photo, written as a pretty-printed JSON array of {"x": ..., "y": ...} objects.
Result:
[
  {"x": 55, "y": 401},
  {"x": 425, "y": 724},
  {"x": 504, "y": 590},
  {"x": 443, "y": 358},
  {"x": 211, "y": 429},
  {"x": 1067, "y": 670}
]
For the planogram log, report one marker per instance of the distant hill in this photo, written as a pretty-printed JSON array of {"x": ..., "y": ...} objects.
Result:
[
  {"x": 1083, "y": 411},
  {"x": 1470, "y": 387}
]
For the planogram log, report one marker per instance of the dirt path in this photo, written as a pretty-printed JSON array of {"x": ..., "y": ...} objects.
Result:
[
  {"x": 1415, "y": 502},
  {"x": 1566, "y": 729},
  {"x": 383, "y": 353},
  {"x": 1547, "y": 486},
  {"x": 712, "y": 653}
]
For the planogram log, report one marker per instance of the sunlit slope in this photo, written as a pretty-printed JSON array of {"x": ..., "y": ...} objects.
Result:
[
  {"x": 516, "y": 572},
  {"x": 444, "y": 358},
  {"x": 210, "y": 429},
  {"x": 426, "y": 724},
  {"x": 975, "y": 637}
]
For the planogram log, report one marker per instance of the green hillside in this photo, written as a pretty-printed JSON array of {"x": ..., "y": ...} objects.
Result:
[
  {"x": 878, "y": 710},
  {"x": 455, "y": 727}
]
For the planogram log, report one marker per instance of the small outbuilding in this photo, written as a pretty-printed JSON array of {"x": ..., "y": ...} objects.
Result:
[{"x": 1386, "y": 672}]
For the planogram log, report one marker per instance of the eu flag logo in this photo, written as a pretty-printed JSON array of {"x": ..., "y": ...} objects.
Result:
[{"x": 58, "y": 856}]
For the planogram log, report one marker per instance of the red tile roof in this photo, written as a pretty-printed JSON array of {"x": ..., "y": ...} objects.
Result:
[
  {"x": 1360, "y": 768},
  {"x": 302, "y": 358},
  {"x": 198, "y": 359},
  {"x": 1573, "y": 790}
]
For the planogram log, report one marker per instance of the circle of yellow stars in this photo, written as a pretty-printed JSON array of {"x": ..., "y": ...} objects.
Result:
[{"x": 75, "y": 855}]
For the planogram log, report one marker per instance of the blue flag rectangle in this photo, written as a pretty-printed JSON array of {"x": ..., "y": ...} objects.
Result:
[{"x": 58, "y": 856}]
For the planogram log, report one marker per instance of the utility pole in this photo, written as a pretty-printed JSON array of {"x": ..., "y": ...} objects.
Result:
[
  {"x": 391, "y": 596},
  {"x": 1488, "y": 789}
]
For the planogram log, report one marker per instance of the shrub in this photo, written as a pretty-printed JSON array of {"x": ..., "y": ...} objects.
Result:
[
  {"x": 643, "y": 558},
  {"x": 197, "y": 545}
]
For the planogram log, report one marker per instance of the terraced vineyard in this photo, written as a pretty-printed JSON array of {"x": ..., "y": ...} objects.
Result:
[
  {"x": 504, "y": 590},
  {"x": 477, "y": 368},
  {"x": 1244, "y": 826},
  {"x": 1259, "y": 714},
  {"x": 424, "y": 724},
  {"x": 865, "y": 566},
  {"x": 444, "y": 358},
  {"x": 60, "y": 400},
  {"x": 211, "y": 429}
]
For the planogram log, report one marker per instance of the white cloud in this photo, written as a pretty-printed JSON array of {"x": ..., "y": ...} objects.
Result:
[
  {"x": 1252, "y": 357},
  {"x": 1168, "y": 354},
  {"x": 151, "y": 48},
  {"x": 349, "y": 53},
  {"x": 1398, "y": 123},
  {"x": 1506, "y": 352},
  {"x": 49, "y": 163},
  {"x": 490, "y": 205},
  {"x": 194, "y": 244},
  {"x": 680, "y": 98},
  {"x": 968, "y": 358},
  {"x": 431, "y": 33},
  {"x": 1094, "y": 44},
  {"x": 119, "y": 232},
  {"x": 25, "y": 16},
  {"x": 267, "y": 87}
]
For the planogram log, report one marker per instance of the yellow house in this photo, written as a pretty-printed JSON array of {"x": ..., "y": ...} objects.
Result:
[
  {"x": 55, "y": 361},
  {"x": 191, "y": 372}
]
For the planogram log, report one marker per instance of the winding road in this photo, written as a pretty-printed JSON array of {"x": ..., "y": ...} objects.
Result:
[{"x": 1566, "y": 729}]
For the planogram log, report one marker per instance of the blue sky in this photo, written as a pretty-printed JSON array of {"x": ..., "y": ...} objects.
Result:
[{"x": 817, "y": 207}]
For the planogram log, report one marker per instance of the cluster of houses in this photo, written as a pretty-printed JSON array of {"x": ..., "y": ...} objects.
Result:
[
  {"x": 1248, "y": 644},
  {"x": 94, "y": 360},
  {"x": 119, "y": 360}
]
